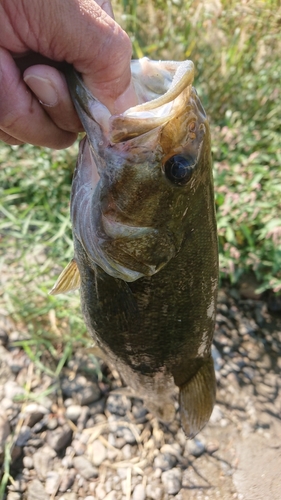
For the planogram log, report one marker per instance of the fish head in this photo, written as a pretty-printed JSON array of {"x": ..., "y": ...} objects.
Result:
[{"x": 138, "y": 173}]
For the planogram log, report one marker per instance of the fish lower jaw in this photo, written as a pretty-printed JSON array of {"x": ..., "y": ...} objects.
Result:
[{"x": 115, "y": 229}]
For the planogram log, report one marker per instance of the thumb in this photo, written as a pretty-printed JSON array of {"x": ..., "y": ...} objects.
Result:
[{"x": 82, "y": 33}]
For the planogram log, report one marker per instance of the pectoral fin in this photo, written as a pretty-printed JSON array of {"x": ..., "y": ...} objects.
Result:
[
  {"x": 197, "y": 399},
  {"x": 68, "y": 280}
]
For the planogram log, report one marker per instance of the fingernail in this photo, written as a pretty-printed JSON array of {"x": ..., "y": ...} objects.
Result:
[
  {"x": 43, "y": 89},
  {"x": 126, "y": 100}
]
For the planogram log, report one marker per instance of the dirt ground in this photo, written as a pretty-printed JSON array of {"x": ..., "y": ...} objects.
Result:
[{"x": 109, "y": 447}]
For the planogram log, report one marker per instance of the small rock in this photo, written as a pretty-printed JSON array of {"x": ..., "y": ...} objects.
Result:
[
  {"x": 98, "y": 452},
  {"x": 216, "y": 415},
  {"x": 27, "y": 462},
  {"x": 19, "y": 484},
  {"x": 81, "y": 390},
  {"x": 60, "y": 437},
  {"x": 70, "y": 495},
  {"x": 118, "y": 405},
  {"x": 12, "y": 389},
  {"x": 195, "y": 447},
  {"x": 111, "y": 496},
  {"x": 212, "y": 446},
  {"x": 83, "y": 417},
  {"x": 89, "y": 497},
  {"x": 100, "y": 491},
  {"x": 52, "y": 423},
  {"x": 67, "y": 480},
  {"x": 33, "y": 413},
  {"x": 126, "y": 451},
  {"x": 171, "y": 480},
  {"x": 139, "y": 411},
  {"x": 165, "y": 461},
  {"x": 154, "y": 491},
  {"x": 139, "y": 492},
  {"x": 36, "y": 491},
  {"x": 73, "y": 412},
  {"x": 23, "y": 436},
  {"x": 78, "y": 447},
  {"x": 14, "y": 495},
  {"x": 42, "y": 461},
  {"x": 127, "y": 435},
  {"x": 97, "y": 407},
  {"x": 52, "y": 482},
  {"x": 85, "y": 468},
  {"x": 67, "y": 461}
]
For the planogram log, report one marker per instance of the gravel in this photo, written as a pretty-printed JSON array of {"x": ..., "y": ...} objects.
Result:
[{"x": 85, "y": 441}]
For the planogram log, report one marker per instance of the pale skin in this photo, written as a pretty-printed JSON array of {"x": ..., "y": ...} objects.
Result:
[{"x": 35, "y": 105}]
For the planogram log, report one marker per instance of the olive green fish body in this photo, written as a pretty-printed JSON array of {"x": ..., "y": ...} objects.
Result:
[{"x": 145, "y": 239}]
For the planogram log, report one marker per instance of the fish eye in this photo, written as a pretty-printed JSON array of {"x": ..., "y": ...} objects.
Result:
[{"x": 179, "y": 169}]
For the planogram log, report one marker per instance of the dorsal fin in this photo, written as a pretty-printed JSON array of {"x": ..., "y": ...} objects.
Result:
[{"x": 68, "y": 280}]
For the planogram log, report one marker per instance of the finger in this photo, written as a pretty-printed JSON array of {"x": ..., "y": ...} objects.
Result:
[
  {"x": 50, "y": 87},
  {"x": 83, "y": 34},
  {"x": 21, "y": 115},
  {"x": 8, "y": 139}
]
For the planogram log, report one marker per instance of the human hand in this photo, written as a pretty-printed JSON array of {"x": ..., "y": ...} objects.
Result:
[{"x": 41, "y": 36}]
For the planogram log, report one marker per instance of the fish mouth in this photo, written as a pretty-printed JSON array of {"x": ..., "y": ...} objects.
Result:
[{"x": 162, "y": 87}]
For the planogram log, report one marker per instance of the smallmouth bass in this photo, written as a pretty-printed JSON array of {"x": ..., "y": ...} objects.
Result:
[{"x": 145, "y": 241}]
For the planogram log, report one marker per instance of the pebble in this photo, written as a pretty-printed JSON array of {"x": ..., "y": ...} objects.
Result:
[
  {"x": 139, "y": 492},
  {"x": 217, "y": 415},
  {"x": 195, "y": 447},
  {"x": 98, "y": 452},
  {"x": 154, "y": 491},
  {"x": 67, "y": 480},
  {"x": 12, "y": 389},
  {"x": 118, "y": 405},
  {"x": 52, "y": 482},
  {"x": 23, "y": 436},
  {"x": 36, "y": 491},
  {"x": 73, "y": 412},
  {"x": 27, "y": 462},
  {"x": 111, "y": 496},
  {"x": 14, "y": 495},
  {"x": 33, "y": 413},
  {"x": 42, "y": 460},
  {"x": 100, "y": 491},
  {"x": 126, "y": 451},
  {"x": 78, "y": 447},
  {"x": 52, "y": 423},
  {"x": 81, "y": 390},
  {"x": 18, "y": 484},
  {"x": 165, "y": 461},
  {"x": 84, "y": 467},
  {"x": 171, "y": 480},
  {"x": 60, "y": 437},
  {"x": 70, "y": 495}
]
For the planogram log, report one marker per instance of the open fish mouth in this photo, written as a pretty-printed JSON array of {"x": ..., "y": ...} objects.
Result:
[{"x": 162, "y": 89}]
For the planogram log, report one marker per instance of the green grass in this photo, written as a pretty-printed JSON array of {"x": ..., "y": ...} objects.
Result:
[{"x": 236, "y": 48}]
